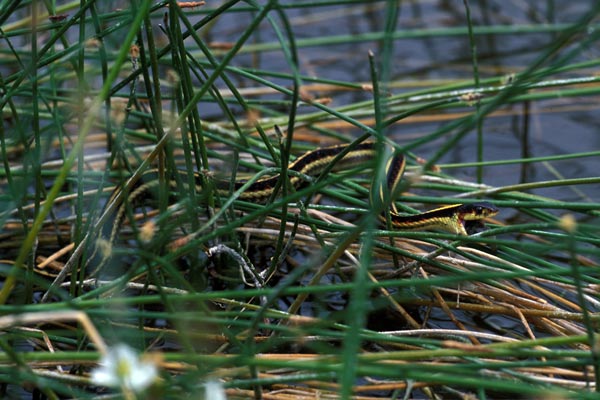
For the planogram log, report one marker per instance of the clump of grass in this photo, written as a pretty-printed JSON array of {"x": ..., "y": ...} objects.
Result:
[{"x": 306, "y": 295}]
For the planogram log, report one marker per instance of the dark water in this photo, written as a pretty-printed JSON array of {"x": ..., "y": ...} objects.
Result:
[
  {"x": 541, "y": 128},
  {"x": 333, "y": 43}
]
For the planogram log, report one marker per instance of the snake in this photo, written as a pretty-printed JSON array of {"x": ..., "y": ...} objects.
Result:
[{"x": 450, "y": 218}]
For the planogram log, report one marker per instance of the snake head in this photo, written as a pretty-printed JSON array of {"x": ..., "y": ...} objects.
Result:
[
  {"x": 471, "y": 216},
  {"x": 477, "y": 211}
]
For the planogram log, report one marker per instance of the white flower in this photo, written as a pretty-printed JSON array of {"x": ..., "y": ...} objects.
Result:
[
  {"x": 122, "y": 367},
  {"x": 214, "y": 390}
]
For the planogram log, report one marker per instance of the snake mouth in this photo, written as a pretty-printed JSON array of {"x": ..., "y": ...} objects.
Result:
[{"x": 474, "y": 226}]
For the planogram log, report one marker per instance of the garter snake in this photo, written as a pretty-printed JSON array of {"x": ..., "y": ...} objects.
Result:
[{"x": 451, "y": 218}]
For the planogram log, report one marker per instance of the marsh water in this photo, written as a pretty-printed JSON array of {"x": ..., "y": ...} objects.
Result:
[{"x": 422, "y": 59}]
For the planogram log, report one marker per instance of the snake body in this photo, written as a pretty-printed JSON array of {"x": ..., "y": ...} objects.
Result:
[{"x": 451, "y": 218}]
